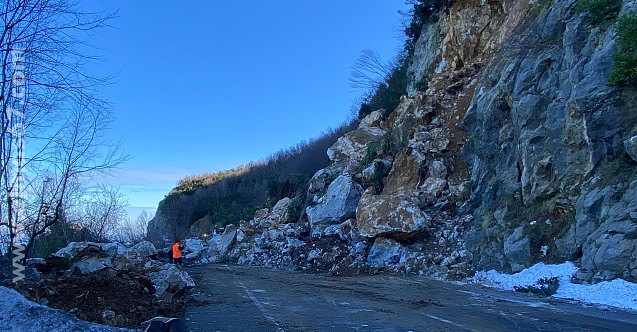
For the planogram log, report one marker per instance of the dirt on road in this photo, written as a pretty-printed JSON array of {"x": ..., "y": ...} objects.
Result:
[
  {"x": 241, "y": 298},
  {"x": 123, "y": 298}
]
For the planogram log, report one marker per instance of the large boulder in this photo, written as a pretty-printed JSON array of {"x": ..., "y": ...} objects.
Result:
[
  {"x": 631, "y": 147},
  {"x": 78, "y": 250},
  {"x": 90, "y": 257},
  {"x": 135, "y": 256},
  {"x": 168, "y": 280},
  {"x": 194, "y": 249},
  {"x": 372, "y": 120},
  {"x": 338, "y": 204},
  {"x": 352, "y": 147},
  {"x": 404, "y": 174},
  {"x": 227, "y": 238},
  {"x": 220, "y": 244},
  {"x": 387, "y": 252},
  {"x": 396, "y": 214},
  {"x": 279, "y": 212},
  {"x": 517, "y": 249}
]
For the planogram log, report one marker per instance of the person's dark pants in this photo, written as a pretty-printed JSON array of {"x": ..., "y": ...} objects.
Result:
[{"x": 178, "y": 261}]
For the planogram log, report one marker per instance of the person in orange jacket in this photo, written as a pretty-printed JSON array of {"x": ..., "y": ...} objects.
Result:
[{"x": 177, "y": 257}]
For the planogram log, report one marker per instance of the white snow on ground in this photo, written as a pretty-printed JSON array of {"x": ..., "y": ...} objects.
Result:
[
  {"x": 526, "y": 277},
  {"x": 18, "y": 314},
  {"x": 617, "y": 293}
]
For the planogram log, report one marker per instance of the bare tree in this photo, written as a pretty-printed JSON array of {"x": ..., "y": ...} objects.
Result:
[
  {"x": 101, "y": 212},
  {"x": 48, "y": 100},
  {"x": 56, "y": 186},
  {"x": 131, "y": 231},
  {"x": 369, "y": 71}
]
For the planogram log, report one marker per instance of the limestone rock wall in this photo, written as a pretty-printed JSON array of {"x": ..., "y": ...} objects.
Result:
[{"x": 544, "y": 128}]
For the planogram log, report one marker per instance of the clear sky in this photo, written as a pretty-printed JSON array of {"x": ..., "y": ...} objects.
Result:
[{"x": 205, "y": 86}]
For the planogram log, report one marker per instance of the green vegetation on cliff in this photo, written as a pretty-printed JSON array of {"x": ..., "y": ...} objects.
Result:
[
  {"x": 193, "y": 182},
  {"x": 603, "y": 12},
  {"x": 625, "y": 60},
  {"x": 599, "y": 11},
  {"x": 424, "y": 11}
]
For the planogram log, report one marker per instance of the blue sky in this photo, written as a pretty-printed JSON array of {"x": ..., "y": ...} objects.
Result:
[{"x": 211, "y": 85}]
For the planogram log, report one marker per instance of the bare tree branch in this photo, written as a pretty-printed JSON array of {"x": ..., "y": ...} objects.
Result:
[{"x": 369, "y": 71}]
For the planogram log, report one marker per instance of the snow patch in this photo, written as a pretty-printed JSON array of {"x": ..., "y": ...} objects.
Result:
[
  {"x": 616, "y": 293},
  {"x": 526, "y": 277}
]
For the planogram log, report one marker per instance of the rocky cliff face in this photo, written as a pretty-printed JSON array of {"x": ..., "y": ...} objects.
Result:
[
  {"x": 546, "y": 136},
  {"x": 517, "y": 152},
  {"x": 517, "y": 94}
]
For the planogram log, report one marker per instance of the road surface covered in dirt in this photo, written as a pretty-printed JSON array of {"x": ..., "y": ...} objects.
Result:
[{"x": 241, "y": 298}]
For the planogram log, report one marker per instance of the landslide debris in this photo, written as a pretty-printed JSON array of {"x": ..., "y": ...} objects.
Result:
[{"x": 116, "y": 298}]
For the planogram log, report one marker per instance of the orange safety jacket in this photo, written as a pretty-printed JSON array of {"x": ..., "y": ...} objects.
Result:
[{"x": 176, "y": 251}]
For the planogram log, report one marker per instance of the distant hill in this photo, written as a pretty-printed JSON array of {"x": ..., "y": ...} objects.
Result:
[{"x": 229, "y": 196}]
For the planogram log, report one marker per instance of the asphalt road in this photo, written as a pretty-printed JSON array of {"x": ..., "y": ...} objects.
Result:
[{"x": 240, "y": 298}]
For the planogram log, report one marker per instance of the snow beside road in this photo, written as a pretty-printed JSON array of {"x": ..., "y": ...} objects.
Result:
[
  {"x": 526, "y": 277},
  {"x": 617, "y": 293},
  {"x": 18, "y": 314}
]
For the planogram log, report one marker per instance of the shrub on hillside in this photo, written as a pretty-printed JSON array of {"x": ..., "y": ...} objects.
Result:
[
  {"x": 387, "y": 94},
  {"x": 377, "y": 148},
  {"x": 599, "y": 11},
  {"x": 624, "y": 70},
  {"x": 424, "y": 11}
]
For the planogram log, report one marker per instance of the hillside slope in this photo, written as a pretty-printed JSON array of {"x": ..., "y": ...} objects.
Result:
[{"x": 517, "y": 152}]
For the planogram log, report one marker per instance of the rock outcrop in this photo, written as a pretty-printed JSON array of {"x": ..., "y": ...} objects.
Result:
[
  {"x": 390, "y": 214},
  {"x": 547, "y": 137},
  {"x": 351, "y": 148},
  {"x": 337, "y": 205}
]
